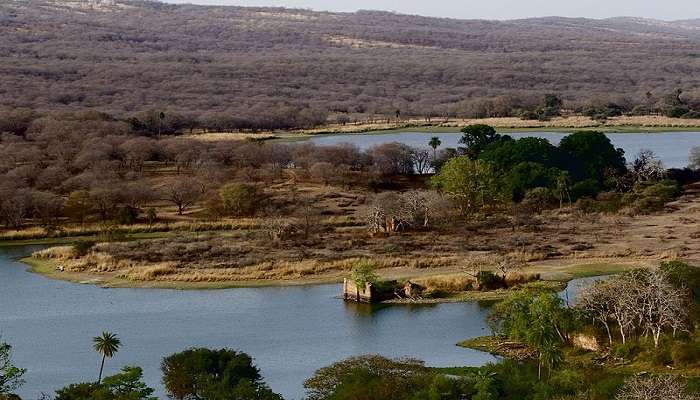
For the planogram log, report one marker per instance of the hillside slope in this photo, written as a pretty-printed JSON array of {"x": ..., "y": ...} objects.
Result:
[{"x": 124, "y": 56}]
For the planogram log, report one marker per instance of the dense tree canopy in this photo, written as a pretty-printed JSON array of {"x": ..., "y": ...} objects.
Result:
[
  {"x": 204, "y": 374},
  {"x": 126, "y": 385}
]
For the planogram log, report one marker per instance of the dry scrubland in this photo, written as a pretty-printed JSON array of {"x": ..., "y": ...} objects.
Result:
[
  {"x": 270, "y": 68},
  {"x": 559, "y": 244}
]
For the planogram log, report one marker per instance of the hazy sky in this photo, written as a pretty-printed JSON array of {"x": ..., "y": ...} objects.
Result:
[{"x": 494, "y": 9}]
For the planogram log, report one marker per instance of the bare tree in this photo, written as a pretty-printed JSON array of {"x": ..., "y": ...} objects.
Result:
[
  {"x": 694, "y": 159},
  {"x": 183, "y": 193},
  {"x": 421, "y": 161},
  {"x": 647, "y": 167},
  {"x": 664, "y": 387},
  {"x": 596, "y": 302}
]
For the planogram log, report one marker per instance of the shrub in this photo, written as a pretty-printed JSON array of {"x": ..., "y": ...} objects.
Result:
[
  {"x": 239, "y": 199},
  {"x": 488, "y": 280},
  {"x": 540, "y": 198},
  {"x": 586, "y": 188},
  {"x": 685, "y": 354},
  {"x": 127, "y": 215},
  {"x": 82, "y": 247},
  {"x": 662, "y": 357},
  {"x": 627, "y": 350}
]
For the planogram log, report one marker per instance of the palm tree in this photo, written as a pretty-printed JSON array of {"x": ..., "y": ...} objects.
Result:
[
  {"x": 435, "y": 142},
  {"x": 107, "y": 345}
]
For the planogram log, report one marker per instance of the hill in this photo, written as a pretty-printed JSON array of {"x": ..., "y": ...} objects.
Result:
[{"x": 124, "y": 56}]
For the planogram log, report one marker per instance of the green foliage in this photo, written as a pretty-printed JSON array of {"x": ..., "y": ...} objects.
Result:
[
  {"x": 127, "y": 215},
  {"x": 488, "y": 280},
  {"x": 647, "y": 197},
  {"x": 378, "y": 378},
  {"x": 11, "y": 377},
  {"x": 106, "y": 345},
  {"x": 538, "y": 320},
  {"x": 590, "y": 155},
  {"x": 683, "y": 275},
  {"x": 476, "y": 138},
  {"x": 685, "y": 354},
  {"x": 126, "y": 385},
  {"x": 603, "y": 111},
  {"x": 627, "y": 350},
  {"x": 82, "y": 247},
  {"x": 587, "y": 188},
  {"x": 214, "y": 374},
  {"x": 528, "y": 175},
  {"x": 507, "y": 153},
  {"x": 151, "y": 216},
  {"x": 364, "y": 272},
  {"x": 239, "y": 199},
  {"x": 471, "y": 183}
]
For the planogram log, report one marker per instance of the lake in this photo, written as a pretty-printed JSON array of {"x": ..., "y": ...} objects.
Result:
[
  {"x": 672, "y": 148},
  {"x": 290, "y": 331}
]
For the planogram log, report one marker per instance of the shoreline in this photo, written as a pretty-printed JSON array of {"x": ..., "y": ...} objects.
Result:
[
  {"x": 557, "y": 279},
  {"x": 632, "y": 124}
]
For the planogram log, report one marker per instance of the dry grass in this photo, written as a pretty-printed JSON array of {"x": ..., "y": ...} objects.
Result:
[
  {"x": 558, "y": 238},
  {"x": 566, "y": 122},
  {"x": 98, "y": 229}
]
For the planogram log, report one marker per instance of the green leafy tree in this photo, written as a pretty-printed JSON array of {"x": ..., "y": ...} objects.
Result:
[
  {"x": 475, "y": 138},
  {"x": 539, "y": 320},
  {"x": 364, "y": 272},
  {"x": 11, "y": 377},
  {"x": 239, "y": 199},
  {"x": 529, "y": 175},
  {"x": 591, "y": 155},
  {"x": 485, "y": 386},
  {"x": 106, "y": 345},
  {"x": 204, "y": 374},
  {"x": 373, "y": 377},
  {"x": 126, "y": 385},
  {"x": 506, "y": 153},
  {"x": 472, "y": 184}
]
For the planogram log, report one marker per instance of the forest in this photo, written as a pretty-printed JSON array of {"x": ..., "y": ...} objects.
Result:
[{"x": 233, "y": 68}]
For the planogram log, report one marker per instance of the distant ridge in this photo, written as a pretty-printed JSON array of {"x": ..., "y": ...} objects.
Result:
[{"x": 122, "y": 56}]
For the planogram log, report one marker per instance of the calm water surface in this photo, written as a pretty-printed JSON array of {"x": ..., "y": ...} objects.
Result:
[
  {"x": 671, "y": 147},
  {"x": 290, "y": 331}
]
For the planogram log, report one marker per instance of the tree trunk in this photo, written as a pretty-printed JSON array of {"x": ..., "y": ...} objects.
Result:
[
  {"x": 102, "y": 365},
  {"x": 622, "y": 333},
  {"x": 607, "y": 329}
]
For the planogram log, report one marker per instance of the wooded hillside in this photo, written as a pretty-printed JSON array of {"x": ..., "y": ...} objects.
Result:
[{"x": 275, "y": 65}]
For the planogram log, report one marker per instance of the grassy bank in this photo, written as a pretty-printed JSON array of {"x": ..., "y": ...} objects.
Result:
[
  {"x": 625, "y": 124},
  {"x": 120, "y": 279}
]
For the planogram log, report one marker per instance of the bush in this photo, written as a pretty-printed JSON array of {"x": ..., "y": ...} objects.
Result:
[
  {"x": 567, "y": 381},
  {"x": 82, "y": 247},
  {"x": 127, "y": 215},
  {"x": 662, "y": 357},
  {"x": 685, "y": 354},
  {"x": 540, "y": 198},
  {"x": 586, "y": 188},
  {"x": 239, "y": 199},
  {"x": 627, "y": 350},
  {"x": 488, "y": 280}
]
